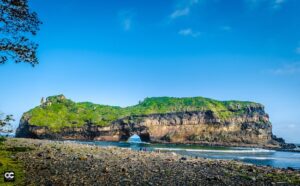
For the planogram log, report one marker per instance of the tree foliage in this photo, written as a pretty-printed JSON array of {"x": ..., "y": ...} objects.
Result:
[
  {"x": 17, "y": 27},
  {"x": 5, "y": 123}
]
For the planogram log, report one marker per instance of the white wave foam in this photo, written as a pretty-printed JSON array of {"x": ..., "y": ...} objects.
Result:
[
  {"x": 69, "y": 141},
  {"x": 257, "y": 158},
  {"x": 270, "y": 158},
  {"x": 255, "y": 150}
]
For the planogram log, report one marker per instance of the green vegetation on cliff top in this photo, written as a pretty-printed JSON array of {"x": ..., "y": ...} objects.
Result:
[{"x": 58, "y": 112}]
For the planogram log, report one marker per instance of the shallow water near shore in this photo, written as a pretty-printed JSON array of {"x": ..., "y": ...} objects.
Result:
[{"x": 257, "y": 156}]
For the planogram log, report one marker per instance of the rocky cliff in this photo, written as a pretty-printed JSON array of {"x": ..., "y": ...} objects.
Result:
[{"x": 172, "y": 120}]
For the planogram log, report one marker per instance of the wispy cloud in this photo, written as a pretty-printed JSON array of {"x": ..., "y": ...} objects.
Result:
[
  {"x": 189, "y": 32},
  {"x": 226, "y": 28},
  {"x": 127, "y": 24},
  {"x": 273, "y": 4},
  {"x": 298, "y": 50},
  {"x": 292, "y": 126},
  {"x": 179, "y": 13},
  {"x": 287, "y": 69},
  {"x": 183, "y": 10},
  {"x": 278, "y": 3},
  {"x": 126, "y": 19}
]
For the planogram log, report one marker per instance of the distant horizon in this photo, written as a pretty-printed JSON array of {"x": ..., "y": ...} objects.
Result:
[{"x": 118, "y": 53}]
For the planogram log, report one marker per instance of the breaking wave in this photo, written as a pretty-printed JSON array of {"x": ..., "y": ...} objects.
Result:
[{"x": 253, "y": 150}]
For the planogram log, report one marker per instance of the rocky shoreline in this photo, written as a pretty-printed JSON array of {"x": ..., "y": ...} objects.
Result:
[{"x": 64, "y": 163}]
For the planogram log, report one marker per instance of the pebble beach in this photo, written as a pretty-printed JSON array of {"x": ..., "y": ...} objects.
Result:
[{"x": 67, "y": 163}]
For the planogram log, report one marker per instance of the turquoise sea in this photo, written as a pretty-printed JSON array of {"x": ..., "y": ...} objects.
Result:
[{"x": 257, "y": 156}]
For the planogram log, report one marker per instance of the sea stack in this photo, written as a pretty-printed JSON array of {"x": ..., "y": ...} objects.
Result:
[{"x": 162, "y": 119}]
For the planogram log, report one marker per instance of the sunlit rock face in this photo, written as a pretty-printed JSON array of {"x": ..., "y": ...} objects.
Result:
[{"x": 190, "y": 127}]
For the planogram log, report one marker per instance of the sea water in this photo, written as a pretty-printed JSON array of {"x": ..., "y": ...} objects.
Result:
[
  {"x": 134, "y": 139},
  {"x": 257, "y": 156}
]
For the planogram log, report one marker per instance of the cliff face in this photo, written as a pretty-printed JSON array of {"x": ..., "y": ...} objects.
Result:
[
  {"x": 247, "y": 125},
  {"x": 197, "y": 127}
]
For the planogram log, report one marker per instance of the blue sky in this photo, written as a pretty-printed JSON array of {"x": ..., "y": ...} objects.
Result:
[{"x": 117, "y": 53}]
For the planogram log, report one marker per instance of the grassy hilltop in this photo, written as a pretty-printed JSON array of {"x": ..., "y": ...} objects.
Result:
[{"x": 57, "y": 111}]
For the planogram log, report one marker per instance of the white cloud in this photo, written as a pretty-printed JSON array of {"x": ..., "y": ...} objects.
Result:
[
  {"x": 288, "y": 69},
  {"x": 273, "y": 4},
  {"x": 183, "y": 10},
  {"x": 189, "y": 32},
  {"x": 179, "y": 13},
  {"x": 126, "y": 19}
]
